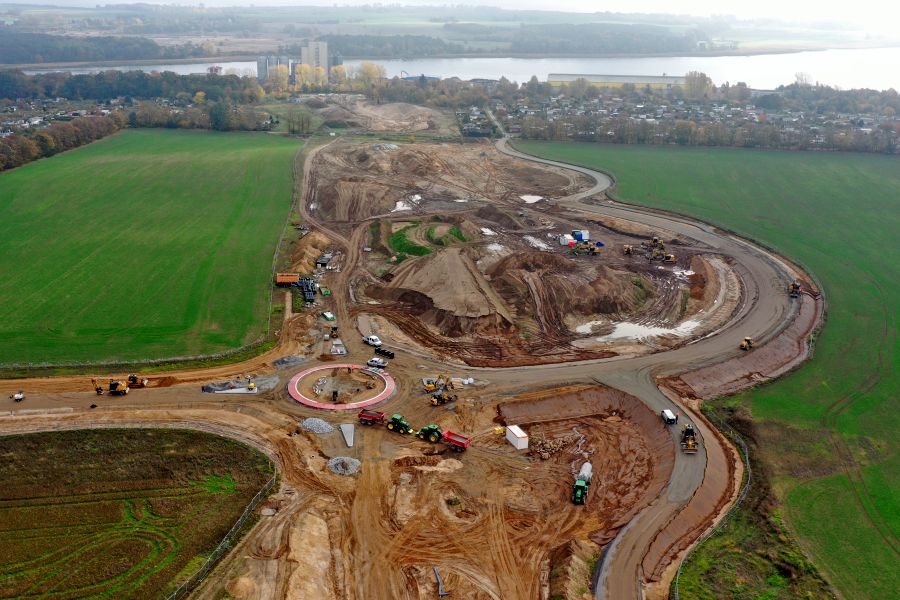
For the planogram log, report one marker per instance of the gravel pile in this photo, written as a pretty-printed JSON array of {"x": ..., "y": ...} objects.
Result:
[
  {"x": 316, "y": 425},
  {"x": 343, "y": 465}
]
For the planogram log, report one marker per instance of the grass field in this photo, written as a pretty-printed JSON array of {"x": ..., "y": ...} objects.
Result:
[
  {"x": 148, "y": 244},
  {"x": 826, "y": 434},
  {"x": 117, "y": 513}
]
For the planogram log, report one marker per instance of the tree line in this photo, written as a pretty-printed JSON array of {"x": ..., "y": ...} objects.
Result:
[
  {"x": 134, "y": 84},
  {"x": 17, "y": 150},
  {"x": 389, "y": 46},
  {"x": 23, "y": 47}
]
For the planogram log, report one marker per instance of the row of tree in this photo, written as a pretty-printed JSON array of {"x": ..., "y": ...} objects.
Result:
[
  {"x": 17, "y": 150},
  {"x": 135, "y": 84},
  {"x": 23, "y": 47}
]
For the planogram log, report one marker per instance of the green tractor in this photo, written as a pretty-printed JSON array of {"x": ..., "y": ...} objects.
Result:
[
  {"x": 579, "y": 492},
  {"x": 398, "y": 423},
  {"x": 432, "y": 433}
]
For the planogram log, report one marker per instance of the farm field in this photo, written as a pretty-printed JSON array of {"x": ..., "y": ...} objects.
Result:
[
  {"x": 145, "y": 245},
  {"x": 825, "y": 435},
  {"x": 117, "y": 513}
]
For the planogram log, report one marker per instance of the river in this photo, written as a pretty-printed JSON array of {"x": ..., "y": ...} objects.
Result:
[{"x": 874, "y": 68}]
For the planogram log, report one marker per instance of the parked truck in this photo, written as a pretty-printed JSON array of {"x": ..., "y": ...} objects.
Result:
[
  {"x": 582, "y": 484},
  {"x": 371, "y": 417}
]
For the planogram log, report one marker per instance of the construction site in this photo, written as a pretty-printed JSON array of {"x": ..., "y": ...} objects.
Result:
[{"x": 531, "y": 426}]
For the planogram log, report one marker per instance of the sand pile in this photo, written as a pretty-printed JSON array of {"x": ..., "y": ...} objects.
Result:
[{"x": 307, "y": 250}]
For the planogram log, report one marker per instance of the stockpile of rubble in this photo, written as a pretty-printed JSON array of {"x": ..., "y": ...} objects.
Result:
[
  {"x": 543, "y": 448},
  {"x": 343, "y": 465}
]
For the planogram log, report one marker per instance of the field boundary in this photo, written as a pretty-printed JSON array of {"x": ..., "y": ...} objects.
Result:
[{"x": 225, "y": 545}]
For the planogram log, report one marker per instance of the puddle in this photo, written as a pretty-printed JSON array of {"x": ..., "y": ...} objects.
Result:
[
  {"x": 635, "y": 331},
  {"x": 496, "y": 248},
  {"x": 487, "y": 231},
  {"x": 588, "y": 327},
  {"x": 533, "y": 241},
  {"x": 529, "y": 199},
  {"x": 402, "y": 205}
]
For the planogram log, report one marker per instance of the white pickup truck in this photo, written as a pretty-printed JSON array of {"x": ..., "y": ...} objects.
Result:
[{"x": 372, "y": 340}]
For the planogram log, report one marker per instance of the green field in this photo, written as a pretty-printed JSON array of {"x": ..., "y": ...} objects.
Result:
[
  {"x": 145, "y": 245},
  {"x": 117, "y": 513},
  {"x": 826, "y": 434}
]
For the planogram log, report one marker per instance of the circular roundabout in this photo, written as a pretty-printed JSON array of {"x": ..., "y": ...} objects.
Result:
[{"x": 341, "y": 387}]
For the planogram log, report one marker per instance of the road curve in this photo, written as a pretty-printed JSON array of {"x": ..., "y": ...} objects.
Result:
[{"x": 764, "y": 313}]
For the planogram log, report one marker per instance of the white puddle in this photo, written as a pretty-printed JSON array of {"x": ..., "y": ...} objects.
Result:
[
  {"x": 487, "y": 231},
  {"x": 529, "y": 199},
  {"x": 587, "y": 327},
  {"x": 496, "y": 247},
  {"x": 635, "y": 331},
  {"x": 402, "y": 205},
  {"x": 681, "y": 273},
  {"x": 533, "y": 241},
  {"x": 461, "y": 200}
]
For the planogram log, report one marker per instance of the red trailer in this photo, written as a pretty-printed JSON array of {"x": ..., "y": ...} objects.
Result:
[
  {"x": 371, "y": 417},
  {"x": 457, "y": 441}
]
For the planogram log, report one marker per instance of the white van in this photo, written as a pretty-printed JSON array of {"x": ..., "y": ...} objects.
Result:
[{"x": 668, "y": 417}]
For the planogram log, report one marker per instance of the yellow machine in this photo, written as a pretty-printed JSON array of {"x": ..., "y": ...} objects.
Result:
[
  {"x": 115, "y": 388},
  {"x": 628, "y": 249},
  {"x": 137, "y": 382},
  {"x": 669, "y": 258},
  {"x": 794, "y": 289},
  {"x": 442, "y": 382},
  {"x": 746, "y": 344}
]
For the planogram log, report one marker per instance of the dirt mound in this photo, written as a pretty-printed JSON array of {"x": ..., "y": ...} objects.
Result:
[
  {"x": 447, "y": 290},
  {"x": 307, "y": 250},
  {"x": 495, "y": 215},
  {"x": 540, "y": 282}
]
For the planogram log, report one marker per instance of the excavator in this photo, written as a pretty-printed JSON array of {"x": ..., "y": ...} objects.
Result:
[
  {"x": 116, "y": 388},
  {"x": 441, "y": 383},
  {"x": 747, "y": 343}
]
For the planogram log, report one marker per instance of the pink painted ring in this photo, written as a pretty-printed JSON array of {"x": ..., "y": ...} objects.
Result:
[{"x": 389, "y": 388}]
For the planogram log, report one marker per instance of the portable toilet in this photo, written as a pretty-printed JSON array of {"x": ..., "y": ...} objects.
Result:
[
  {"x": 517, "y": 437},
  {"x": 581, "y": 235}
]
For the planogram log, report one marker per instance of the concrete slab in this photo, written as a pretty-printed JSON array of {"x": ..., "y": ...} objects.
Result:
[{"x": 347, "y": 430}]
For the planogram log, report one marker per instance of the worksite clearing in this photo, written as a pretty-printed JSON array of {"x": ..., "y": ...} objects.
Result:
[{"x": 584, "y": 300}]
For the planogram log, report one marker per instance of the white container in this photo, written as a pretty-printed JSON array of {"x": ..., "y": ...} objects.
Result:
[
  {"x": 517, "y": 437},
  {"x": 565, "y": 238}
]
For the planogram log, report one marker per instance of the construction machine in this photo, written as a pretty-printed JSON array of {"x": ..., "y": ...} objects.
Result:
[
  {"x": 582, "y": 483},
  {"x": 115, "y": 387},
  {"x": 18, "y": 396},
  {"x": 137, "y": 382},
  {"x": 794, "y": 289},
  {"x": 398, "y": 423},
  {"x": 689, "y": 439},
  {"x": 442, "y": 382},
  {"x": 432, "y": 433},
  {"x": 628, "y": 249},
  {"x": 669, "y": 258},
  {"x": 441, "y": 397},
  {"x": 747, "y": 343}
]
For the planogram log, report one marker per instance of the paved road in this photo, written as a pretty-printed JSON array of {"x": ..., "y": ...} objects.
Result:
[{"x": 764, "y": 312}]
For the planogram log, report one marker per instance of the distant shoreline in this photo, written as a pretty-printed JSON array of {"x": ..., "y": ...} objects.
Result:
[{"x": 252, "y": 57}]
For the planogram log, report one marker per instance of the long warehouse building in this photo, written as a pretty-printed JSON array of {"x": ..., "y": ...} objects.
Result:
[{"x": 616, "y": 81}]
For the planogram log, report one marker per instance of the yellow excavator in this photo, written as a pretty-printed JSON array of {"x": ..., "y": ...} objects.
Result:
[
  {"x": 441, "y": 383},
  {"x": 628, "y": 249},
  {"x": 746, "y": 343},
  {"x": 115, "y": 387}
]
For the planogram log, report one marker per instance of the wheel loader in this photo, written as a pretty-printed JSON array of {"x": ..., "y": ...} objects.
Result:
[
  {"x": 746, "y": 343},
  {"x": 689, "y": 443},
  {"x": 442, "y": 397}
]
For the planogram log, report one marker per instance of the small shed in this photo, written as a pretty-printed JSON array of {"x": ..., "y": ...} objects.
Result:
[
  {"x": 323, "y": 261},
  {"x": 517, "y": 437}
]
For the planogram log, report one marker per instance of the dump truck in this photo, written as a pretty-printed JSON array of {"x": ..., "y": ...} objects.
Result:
[
  {"x": 398, "y": 423},
  {"x": 689, "y": 439},
  {"x": 137, "y": 382},
  {"x": 370, "y": 417},
  {"x": 441, "y": 397},
  {"x": 456, "y": 441},
  {"x": 746, "y": 343},
  {"x": 582, "y": 484},
  {"x": 794, "y": 289}
]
